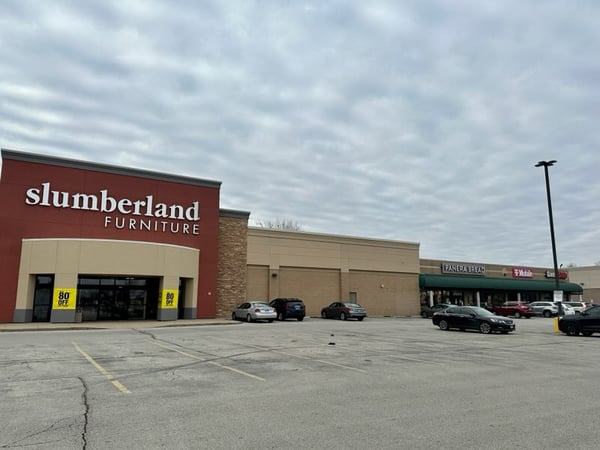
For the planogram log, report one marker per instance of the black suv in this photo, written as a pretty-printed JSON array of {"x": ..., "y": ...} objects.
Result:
[
  {"x": 586, "y": 323},
  {"x": 288, "y": 308}
]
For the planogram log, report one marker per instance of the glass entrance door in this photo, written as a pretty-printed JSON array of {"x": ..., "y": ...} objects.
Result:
[
  {"x": 42, "y": 298},
  {"x": 117, "y": 298}
]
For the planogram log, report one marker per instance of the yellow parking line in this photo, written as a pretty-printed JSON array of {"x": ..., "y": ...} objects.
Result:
[
  {"x": 102, "y": 370},
  {"x": 222, "y": 366}
]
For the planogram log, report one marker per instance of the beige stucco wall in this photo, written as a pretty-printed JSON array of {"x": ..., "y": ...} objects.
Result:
[
  {"x": 589, "y": 279},
  {"x": 386, "y": 294},
  {"x": 323, "y": 268},
  {"x": 276, "y": 248},
  {"x": 67, "y": 258}
]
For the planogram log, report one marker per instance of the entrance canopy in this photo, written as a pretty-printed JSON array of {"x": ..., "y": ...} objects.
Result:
[{"x": 430, "y": 281}]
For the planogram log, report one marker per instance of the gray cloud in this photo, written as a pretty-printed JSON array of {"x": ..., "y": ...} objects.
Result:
[{"x": 418, "y": 122}]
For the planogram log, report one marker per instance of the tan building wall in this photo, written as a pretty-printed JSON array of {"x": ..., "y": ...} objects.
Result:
[
  {"x": 589, "y": 279},
  {"x": 258, "y": 283},
  {"x": 316, "y": 287},
  {"x": 386, "y": 294},
  {"x": 321, "y": 268}
]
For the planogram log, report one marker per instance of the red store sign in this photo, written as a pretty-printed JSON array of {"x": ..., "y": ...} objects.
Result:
[
  {"x": 561, "y": 275},
  {"x": 522, "y": 272}
]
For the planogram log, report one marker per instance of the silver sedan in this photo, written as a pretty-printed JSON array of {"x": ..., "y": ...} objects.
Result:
[{"x": 253, "y": 311}]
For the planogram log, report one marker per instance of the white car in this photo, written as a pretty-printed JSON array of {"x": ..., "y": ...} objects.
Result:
[
  {"x": 546, "y": 309},
  {"x": 579, "y": 307},
  {"x": 567, "y": 309},
  {"x": 254, "y": 310}
]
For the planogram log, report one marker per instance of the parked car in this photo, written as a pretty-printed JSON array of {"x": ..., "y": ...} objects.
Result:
[
  {"x": 472, "y": 318},
  {"x": 516, "y": 309},
  {"x": 586, "y": 323},
  {"x": 289, "y": 308},
  {"x": 567, "y": 309},
  {"x": 343, "y": 311},
  {"x": 253, "y": 311},
  {"x": 428, "y": 311},
  {"x": 546, "y": 309},
  {"x": 578, "y": 307}
]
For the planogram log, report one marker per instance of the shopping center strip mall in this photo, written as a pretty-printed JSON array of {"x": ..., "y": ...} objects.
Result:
[{"x": 82, "y": 241}]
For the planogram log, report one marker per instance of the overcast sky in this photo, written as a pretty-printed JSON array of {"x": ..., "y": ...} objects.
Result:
[{"x": 415, "y": 120}]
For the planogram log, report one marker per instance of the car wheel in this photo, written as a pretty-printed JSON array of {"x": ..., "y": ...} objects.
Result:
[
  {"x": 485, "y": 328},
  {"x": 342, "y": 316},
  {"x": 248, "y": 318},
  {"x": 443, "y": 325},
  {"x": 360, "y": 318},
  {"x": 587, "y": 333},
  {"x": 233, "y": 316},
  {"x": 517, "y": 315},
  {"x": 280, "y": 316},
  {"x": 424, "y": 315},
  {"x": 546, "y": 313},
  {"x": 323, "y": 315},
  {"x": 300, "y": 319},
  {"x": 572, "y": 330}
]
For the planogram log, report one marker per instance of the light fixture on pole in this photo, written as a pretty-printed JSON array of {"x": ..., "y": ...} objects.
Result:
[{"x": 545, "y": 165}]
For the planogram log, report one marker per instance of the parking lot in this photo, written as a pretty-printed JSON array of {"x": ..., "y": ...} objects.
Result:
[{"x": 383, "y": 383}]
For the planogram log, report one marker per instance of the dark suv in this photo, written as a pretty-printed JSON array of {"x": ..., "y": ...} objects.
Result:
[{"x": 288, "y": 308}]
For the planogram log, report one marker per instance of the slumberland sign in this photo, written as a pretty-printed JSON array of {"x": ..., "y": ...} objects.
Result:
[{"x": 145, "y": 214}]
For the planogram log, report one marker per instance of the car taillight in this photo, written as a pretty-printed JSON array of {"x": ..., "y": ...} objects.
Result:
[
  {"x": 349, "y": 309},
  {"x": 257, "y": 310}
]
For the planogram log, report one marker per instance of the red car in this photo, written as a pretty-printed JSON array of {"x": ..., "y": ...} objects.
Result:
[{"x": 515, "y": 309}]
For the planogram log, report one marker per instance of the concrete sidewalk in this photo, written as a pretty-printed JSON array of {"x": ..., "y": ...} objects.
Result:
[{"x": 107, "y": 325}]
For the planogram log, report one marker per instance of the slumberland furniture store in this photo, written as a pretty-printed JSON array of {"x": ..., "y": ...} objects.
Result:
[{"x": 82, "y": 241}]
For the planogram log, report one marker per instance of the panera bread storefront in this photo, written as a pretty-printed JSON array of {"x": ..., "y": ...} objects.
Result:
[
  {"x": 488, "y": 285},
  {"x": 85, "y": 241}
]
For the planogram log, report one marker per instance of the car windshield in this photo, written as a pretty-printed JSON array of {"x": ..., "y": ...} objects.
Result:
[
  {"x": 260, "y": 304},
  {"x": 352, "y": 305}
]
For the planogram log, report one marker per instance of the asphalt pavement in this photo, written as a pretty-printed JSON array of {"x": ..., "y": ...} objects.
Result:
[{"x": 383, "y": 383}]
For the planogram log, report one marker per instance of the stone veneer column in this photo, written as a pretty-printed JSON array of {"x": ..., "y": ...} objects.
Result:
[{"x": 232, "y": 268}]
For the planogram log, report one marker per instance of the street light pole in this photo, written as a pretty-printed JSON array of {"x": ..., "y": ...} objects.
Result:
[{"x": 545, "y": 165}]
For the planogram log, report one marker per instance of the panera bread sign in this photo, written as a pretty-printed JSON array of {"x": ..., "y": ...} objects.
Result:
[
  {"x": 144, "y": 214},
  {"x": 470, "y": 269}
]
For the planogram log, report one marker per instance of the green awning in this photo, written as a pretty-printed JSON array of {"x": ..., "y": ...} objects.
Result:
[{"x": 500, "y": 284}]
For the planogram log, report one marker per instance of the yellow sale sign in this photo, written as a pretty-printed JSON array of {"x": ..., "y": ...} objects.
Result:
[
  {"x": 64, "y": 298},
  {"x": 169, "y": 298}
]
